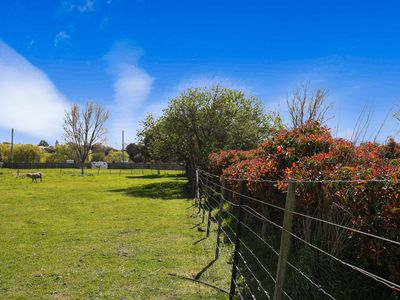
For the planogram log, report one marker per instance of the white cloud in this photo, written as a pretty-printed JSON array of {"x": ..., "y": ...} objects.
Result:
[
  {"x": 29, "y": 101},
  {"x": 78, "y": 5},
  {"x": 132, "y": 86},
  {"x": 61, "y": 38}
]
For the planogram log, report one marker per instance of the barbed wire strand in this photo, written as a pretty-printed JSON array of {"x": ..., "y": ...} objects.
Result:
[
  {"x": 244, "y": 260},
  {"x": 360, "y": 270},
  {"x": 388, "y": 283},
  {"x": 248, "y": 268},
  {"x": 302, "y": 181},
  {"x": 318, "y": 286},
  {"x": 246, "y": 264},
  {"x": 314, "y": 218},
  {"x": 257, "y": 259}
]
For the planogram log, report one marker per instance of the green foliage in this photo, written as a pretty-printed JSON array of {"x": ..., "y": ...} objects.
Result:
[
  {"x": 4, "y": 152},
  {"x": 98, "y": 156},
  {"x": 200, "y": 121},
  {"x": 114, "y": 156},
  {"x": 135, "y": 152},
  {"x": 62, "y": 153},
  {"x": 23, "y": 153},
  {"x": 310, "y": 153}
]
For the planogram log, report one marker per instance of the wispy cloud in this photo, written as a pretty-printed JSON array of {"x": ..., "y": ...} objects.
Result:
[
  {"x": 81, "y": 6},
  {"x": 61, "y": 38},
  {"x": 103, "y": 23},
  {"x": 30, "y": 43},
  {"x": 132, "y": 86},
  {"x": 29, "y": 101}
]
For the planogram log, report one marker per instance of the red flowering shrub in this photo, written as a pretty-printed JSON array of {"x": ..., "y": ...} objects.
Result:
[
  {"x": 218, "y": 162},
  {"x": 310, "y": 153}
]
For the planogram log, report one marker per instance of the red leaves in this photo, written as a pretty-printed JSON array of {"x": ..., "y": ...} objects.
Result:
[{"x": 310, "y": 153}]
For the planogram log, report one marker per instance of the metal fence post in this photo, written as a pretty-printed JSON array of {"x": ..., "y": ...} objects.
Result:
[
  {"x": 285, "y": 240},
  {"x": 221, "y": 207},
  {"x": 209, "y": 217},
  {"x": 203, "y": 206},
  {"x": 238, "y": 235},
  {"x": 197, "y": 192}
]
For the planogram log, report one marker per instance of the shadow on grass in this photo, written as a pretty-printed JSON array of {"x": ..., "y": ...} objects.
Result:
[
  {"x": 158, "y": 190},
  {"x": 152, "y": 176},
  {"x": 198, "y": 275}
]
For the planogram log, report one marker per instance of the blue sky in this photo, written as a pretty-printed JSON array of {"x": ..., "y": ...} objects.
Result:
[{"x": 132, "y": 56}]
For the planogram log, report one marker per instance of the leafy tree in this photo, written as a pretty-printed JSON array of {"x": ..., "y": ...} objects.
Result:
[
  {"x": 62, "y": 153},
  {"x": 200, "y": 121},
  {"x": 28, "y": 153},
  {"x": 23, "y": 153},
  {"x": 98, "y": 156},
  {"x": 83, "y": 129},
  {"x": 43, "y": 143},
  {"x": 114, "y": 156},
  {"x": 135, "y": 152}
]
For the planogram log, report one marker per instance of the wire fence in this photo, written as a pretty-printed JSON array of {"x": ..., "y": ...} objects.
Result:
[
  {"x": 114, "y": 165},
  {"x": 90, "y": 169},
  {"x": 281, "y": 253}
]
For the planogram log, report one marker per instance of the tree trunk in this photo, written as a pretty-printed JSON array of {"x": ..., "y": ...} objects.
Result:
[
  {"x": 82, "y": 165},
  {"x": 191, "y": 175}
]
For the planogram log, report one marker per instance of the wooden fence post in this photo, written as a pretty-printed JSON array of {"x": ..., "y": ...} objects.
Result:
[
  {"x": 285, "y": 240},
  {"x": 264, "y": 223},
  {"x": 238, "y": 235},
  {"x": 221, "y": 207}
]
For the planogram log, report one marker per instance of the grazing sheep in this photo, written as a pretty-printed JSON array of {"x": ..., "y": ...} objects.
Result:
[{"x": 35, "y": 176}]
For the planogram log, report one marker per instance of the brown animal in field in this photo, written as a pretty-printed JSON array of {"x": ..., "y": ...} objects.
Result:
[{"x": 35, "y": 176}]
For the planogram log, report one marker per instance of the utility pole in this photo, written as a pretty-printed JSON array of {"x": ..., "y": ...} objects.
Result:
[{"x": 12, "y": 145}]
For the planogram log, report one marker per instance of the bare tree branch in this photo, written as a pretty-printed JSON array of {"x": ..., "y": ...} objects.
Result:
[
  {"x": 305, "y": 105},
  {"x": 83, "y": 129}
]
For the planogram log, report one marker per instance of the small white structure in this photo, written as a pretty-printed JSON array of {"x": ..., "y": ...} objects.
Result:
[
  {"x": 70, "y": 161},
  {"x": 99, "y": 165}
]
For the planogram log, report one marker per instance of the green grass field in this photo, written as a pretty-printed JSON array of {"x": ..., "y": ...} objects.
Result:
[{"x": 104, "y": 237}]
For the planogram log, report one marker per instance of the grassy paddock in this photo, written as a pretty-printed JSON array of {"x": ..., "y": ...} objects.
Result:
[{"x": 115, "y": 237}]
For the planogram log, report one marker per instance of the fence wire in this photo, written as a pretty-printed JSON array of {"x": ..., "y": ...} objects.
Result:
[{"x": 256, "y": 276}]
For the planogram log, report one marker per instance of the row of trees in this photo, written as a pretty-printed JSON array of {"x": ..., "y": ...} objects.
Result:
[{"x": 29, "y": 153}]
